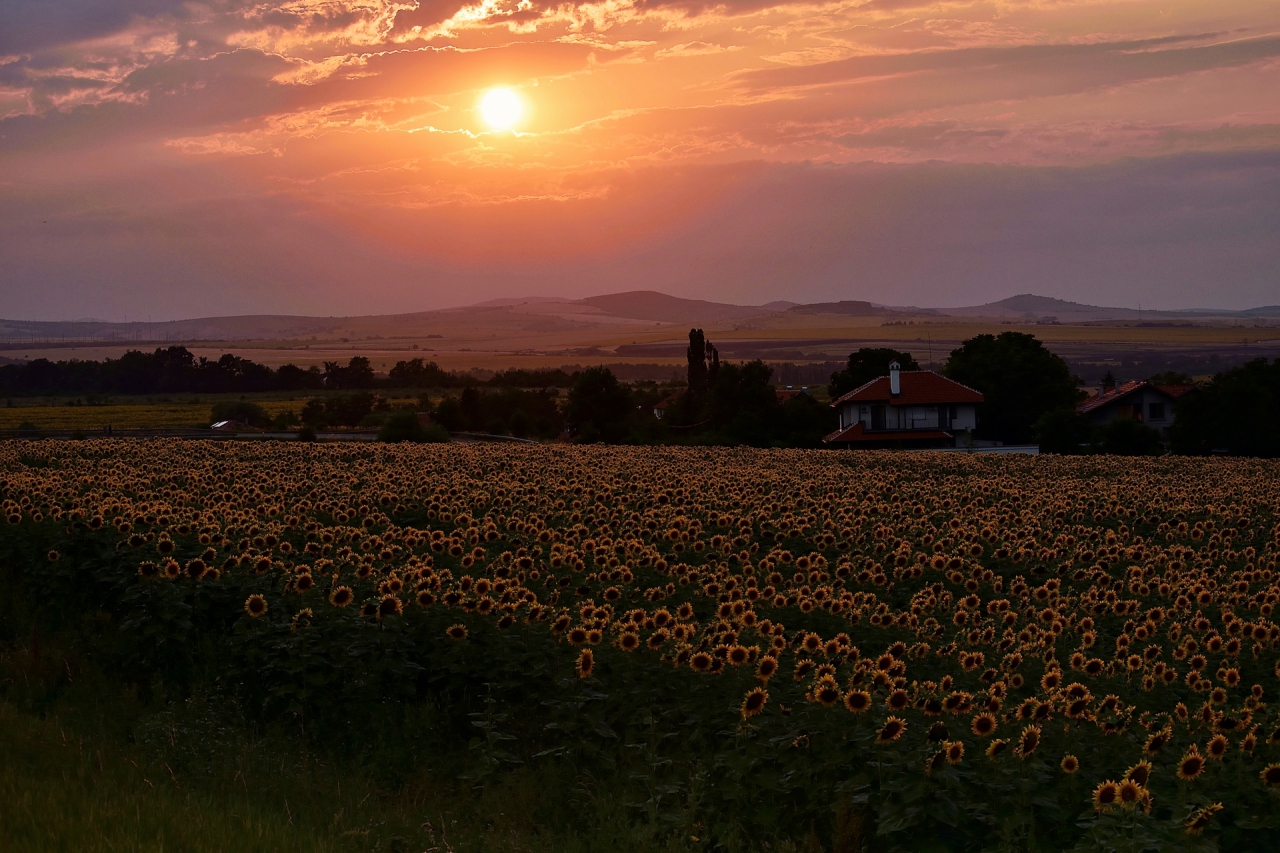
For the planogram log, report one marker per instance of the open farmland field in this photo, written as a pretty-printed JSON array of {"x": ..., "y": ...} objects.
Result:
[
  {"x": 144, "y": 413},
  {"x": 739, "y": 649},
  {"x": 536, "y": 337}
]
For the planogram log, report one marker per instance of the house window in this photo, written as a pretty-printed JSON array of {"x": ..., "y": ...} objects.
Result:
[
  {"x": 1155, "y": 411},
  {"x": 877, "y": 417}
]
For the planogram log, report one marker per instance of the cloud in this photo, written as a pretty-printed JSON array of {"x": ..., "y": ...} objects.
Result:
[{"x": 1027, "y": 69}]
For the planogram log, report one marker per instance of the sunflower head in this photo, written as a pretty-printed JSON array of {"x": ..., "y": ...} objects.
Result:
[
  {"x": 857, "y": 701},
  {"x": 1191, "y": 765},
  {"x": 1202, "y": 818},
  {"x": 255, "y": 605},
  {"x": 1106, "y": 795},
  {"x": 1270, "y": 776},
  {"x": 1140, "y": 773},
  {"x": 754, "y": 702},
  {"x": 891, "y": 730},
  {"x": 586, "y": 663},
  {"x": 1070, "y": 764},
  {"x": 456, "y": 632}
]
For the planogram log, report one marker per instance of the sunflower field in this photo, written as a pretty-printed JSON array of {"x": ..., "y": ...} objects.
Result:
[{"x": 869, "y": 650}]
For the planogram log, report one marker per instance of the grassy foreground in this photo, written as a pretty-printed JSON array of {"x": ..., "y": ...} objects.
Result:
[{"x": 86, "y": 766}]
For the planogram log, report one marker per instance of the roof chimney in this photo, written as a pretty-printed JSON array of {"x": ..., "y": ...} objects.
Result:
[
  {"x": 1108, "y": 383},
  {"x": 895, "y": 382}
]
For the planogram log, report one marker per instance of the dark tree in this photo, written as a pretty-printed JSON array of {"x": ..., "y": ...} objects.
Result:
[
  {"x": 1237, "y": 413},
  {"x": 472, "y": 411},
  {"x": 1063, "y": 431},
  {"x": 1171, "y": 377},
  {"x": 416, "y": 373},
  {"x": 697, "y": 357},
  {"x": 599, "y": 406},
  {"x": 1129, "y": 437},
  {"x": 866, "y": 364},
  {"x": 1020, "y": 379},
  {"x": 357, "y": 374}
]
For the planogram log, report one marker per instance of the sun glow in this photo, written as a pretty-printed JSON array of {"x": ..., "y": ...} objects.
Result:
[{"x": 501, "y": 108}]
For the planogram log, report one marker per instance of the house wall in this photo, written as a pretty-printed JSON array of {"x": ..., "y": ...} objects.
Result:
[
  {"x": 1137, "y": 404},
  {"x": 909, "y": 417}
]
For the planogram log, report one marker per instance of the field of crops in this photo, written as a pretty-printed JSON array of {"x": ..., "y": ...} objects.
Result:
[{"x": 905, "y": 651}]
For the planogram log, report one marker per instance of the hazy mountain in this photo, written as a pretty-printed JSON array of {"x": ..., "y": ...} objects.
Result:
[
  {"x": 652, "y": 305},
  {"x": 848, "y": 307}
]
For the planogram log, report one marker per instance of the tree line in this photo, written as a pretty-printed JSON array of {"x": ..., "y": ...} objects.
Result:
[{"x": 174, "y": 369}]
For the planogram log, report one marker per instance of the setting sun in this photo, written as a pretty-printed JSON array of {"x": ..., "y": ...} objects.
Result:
[{"x": 501, "y": 108}]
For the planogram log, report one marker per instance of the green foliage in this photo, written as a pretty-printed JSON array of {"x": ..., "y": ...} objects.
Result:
[
  {"x": 866, "y": 364},
  {"x": 1238, "y": 413},
  {"x": 1020, "y": 380},
  {"x": 1063, "y": 431},
  {"x": 239, "y": 410},
  {"x": 405, "y": 426},
  {"x": 599, "y": 406},
  {"x": 1129, "y": 437}
]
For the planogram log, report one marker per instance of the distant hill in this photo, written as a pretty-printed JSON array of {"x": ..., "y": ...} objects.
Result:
[
  {"x": 1032, "y": 307},
  {"x": 661, "y": 308},
  {"x": 548, "y": 313},
  {"x": 849, "y": 307}
]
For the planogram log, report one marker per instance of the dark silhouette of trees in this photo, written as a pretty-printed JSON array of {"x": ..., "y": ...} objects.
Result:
[
  {"x": 1128, "y": 437},
  {"x": 704, "y": 362},
  {"x": 1237, "y": 413},
  {"x": 1020, "y": 379},
  {"x": 358, "y": 373},
  {"x": 1063, "y": 431},
  {"x": 866, "y": 364},
  {"x": 599, "y": 407},
  {"x": 167, "y": 370},
  {"x": 416, "y": 373}
]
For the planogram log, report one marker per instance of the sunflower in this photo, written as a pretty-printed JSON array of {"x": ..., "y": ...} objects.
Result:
[
  {"x": 1156, "y": 742},
  {"x": 955, "y": 752},
  {"x": 1217, "y": 747},
  {"x": 577, "y": 636},
  {"x": 767, "y": 667},
  {"x": 1070, "y": 764},
  {"x": 738, "y": 655},
  {"x": 1140, "y": 773},
  {"x": 938, "y": 733},
  {"x": 1270, "y": 776},
  {"x": 1201, "y": 818},
  {"x": 826, "y": 693},
  {"x": 891, "y": 730},
  {"x": 301, "y": 619},
  {"x": 1106, "y": 795},
  {"x": 1191, "y": 765},
  {"x": 369, "y": 608},
  {"x": 983, "y": 725},
  {"x": 754, "y": 702},
  {"x": 857, "y": 701},
  {"x": 586, "y": 663},
  {"x": 1029, "y": 740},
  {"x": 389, "y": 606},
  {"x": 255, "y": 605},
  {"x": 700, "y": 662},
  {"x": 456, "y": 632},
  {"x": 1130, "y": 792}
]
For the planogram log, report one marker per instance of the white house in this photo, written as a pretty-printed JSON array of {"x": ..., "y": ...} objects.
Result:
[
  {"x": 907, "y": 408},
  {"x": 1145, "y": 402}
]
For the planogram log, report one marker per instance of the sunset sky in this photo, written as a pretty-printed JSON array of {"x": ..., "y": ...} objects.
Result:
[{"x": 177, "y": 159}]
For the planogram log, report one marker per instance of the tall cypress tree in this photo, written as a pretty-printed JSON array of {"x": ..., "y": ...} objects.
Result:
[{"x": 697, "y": 355}]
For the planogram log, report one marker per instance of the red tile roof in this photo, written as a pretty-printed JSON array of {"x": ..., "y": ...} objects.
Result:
[
  {"x": 919, "y": 388},
  {"x": 858, "y": 432},
  {"x": 1173, "y": 392}
]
